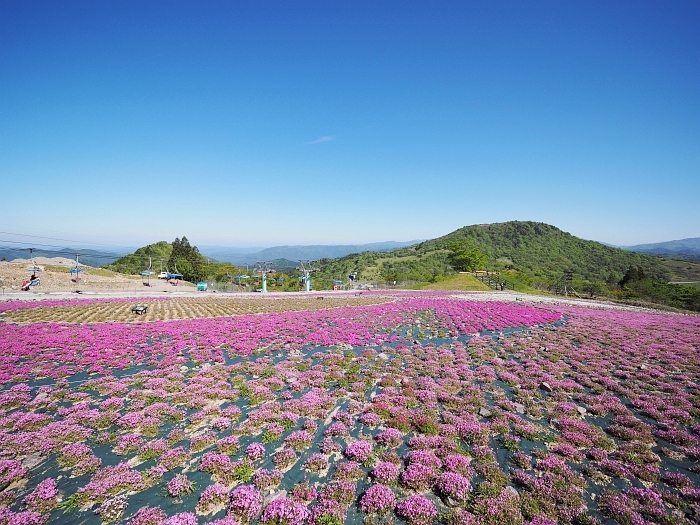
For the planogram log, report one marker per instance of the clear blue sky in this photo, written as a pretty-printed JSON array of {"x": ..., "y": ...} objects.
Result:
[{"x": 261, "y": 123}]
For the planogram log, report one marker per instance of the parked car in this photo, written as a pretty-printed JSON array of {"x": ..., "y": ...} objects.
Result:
[{"x": 163, "y": 275}]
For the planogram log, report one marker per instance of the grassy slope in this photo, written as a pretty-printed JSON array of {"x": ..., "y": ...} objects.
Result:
[{"x": 682, "y": 270}]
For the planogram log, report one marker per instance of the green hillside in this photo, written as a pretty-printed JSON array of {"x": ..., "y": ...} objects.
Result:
[
  {"x": 535, "y": 251},
  {"x": 541, "y": 250},
  {"x": 531, "y": 256},
  {"x": 179, "y": 256},
  {"x": 137, "y": 262}
]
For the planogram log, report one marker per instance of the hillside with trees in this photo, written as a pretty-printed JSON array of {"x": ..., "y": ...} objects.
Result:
[
  {"x": 186, "y": 259},
  {"x": 182, "y": 257},
  {"x": 537, "y": 252},
  {"x": 137, "y": 262},
  {"x": 531, "y": 255},
  {"x": 542, "y": 251},
  {"x": 179, "y": 256}
]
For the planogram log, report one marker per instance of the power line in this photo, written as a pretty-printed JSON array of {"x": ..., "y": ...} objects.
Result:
[
  {"x": 65, "y": 251},
  {"x": 53, "y": 238},
  {"x": 30, "y": 243}
]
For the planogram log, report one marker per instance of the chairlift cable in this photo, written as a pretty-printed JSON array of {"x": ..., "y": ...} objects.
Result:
[{"x": 53, "y": 238}]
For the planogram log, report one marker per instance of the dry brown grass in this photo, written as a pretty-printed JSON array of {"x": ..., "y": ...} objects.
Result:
[
  {"x": 181, "y": 308},
  {"x": 55, "y": 278}
]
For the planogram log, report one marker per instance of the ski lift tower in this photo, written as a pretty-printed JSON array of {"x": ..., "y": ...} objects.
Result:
[
  {"x": 146, "y": 274},
  {"x": 263, "y": 269},
  {"x": 568, "y": 277},
  {"x": 306, "y": 267}
]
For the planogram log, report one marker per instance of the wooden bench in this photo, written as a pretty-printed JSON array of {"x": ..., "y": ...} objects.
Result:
[{"x": 139, "y": 309}]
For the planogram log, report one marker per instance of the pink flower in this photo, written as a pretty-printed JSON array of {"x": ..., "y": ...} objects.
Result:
[
  {"x": 417, "y": 510},
  {"x": 378, "y": 499},
  {"x": 245, "y": 503},
  {"x": 359, "y": 451},
  {"x": 284, "y": 511},
  {"x": 255, "y": 451}
]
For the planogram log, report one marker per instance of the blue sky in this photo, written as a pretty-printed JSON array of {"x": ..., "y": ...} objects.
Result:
[{"x": 266, "y": 123}]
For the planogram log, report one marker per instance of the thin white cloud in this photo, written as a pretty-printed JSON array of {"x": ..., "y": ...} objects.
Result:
[{"x": 325, "y": 138}]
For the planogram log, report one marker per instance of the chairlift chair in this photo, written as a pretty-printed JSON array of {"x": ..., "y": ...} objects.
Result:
[
  {"x": 75, "y": 274},
  {"x": 34, "y": 280},
  {"x": 76, "y": 270},
  {"x": 176, "y": 276}
]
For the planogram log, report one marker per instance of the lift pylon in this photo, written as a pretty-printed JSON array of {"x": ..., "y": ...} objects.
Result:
[
  {"x": 306, "y": 267},
  {"x": 263, "y": 269}
]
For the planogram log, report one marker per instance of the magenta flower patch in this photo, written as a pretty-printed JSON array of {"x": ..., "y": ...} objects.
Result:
[{"x": 480, "y": 412}]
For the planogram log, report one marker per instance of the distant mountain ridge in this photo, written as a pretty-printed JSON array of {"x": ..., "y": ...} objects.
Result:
[
  {"x": 130, "y": 260},
  {"x": 681, "y": 248},
  {"x": 89, "y": 257},
  {"x": 305, "y": 252}
]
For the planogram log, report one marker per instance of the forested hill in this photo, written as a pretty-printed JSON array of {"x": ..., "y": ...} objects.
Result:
[
  {"x": 137, "y": 262},
  {"x": 532, "y": 249},
  {"x": 541, "y": 249}
]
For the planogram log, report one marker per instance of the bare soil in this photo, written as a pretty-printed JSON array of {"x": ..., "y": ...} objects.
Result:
[{"x": 56, "y": 277}]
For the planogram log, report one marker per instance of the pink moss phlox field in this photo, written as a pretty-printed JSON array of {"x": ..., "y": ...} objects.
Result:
[
  {"x": 387, "y": 412},
  {"x": 31, "y": 351},
  {"x": 6, "y": 306}
]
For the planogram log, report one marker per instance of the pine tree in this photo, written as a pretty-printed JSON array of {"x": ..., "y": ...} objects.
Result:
[
  {"x": 187, "y": 259},
  {"x": 634, "y": 273}
]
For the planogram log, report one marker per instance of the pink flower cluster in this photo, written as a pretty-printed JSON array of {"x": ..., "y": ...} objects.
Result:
[
  {"x": 284, "y": 511},
  {"x": 618, "y": 409},
  {"x": 378, "y": 499},
  {"x": 417, "y": 510}
]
